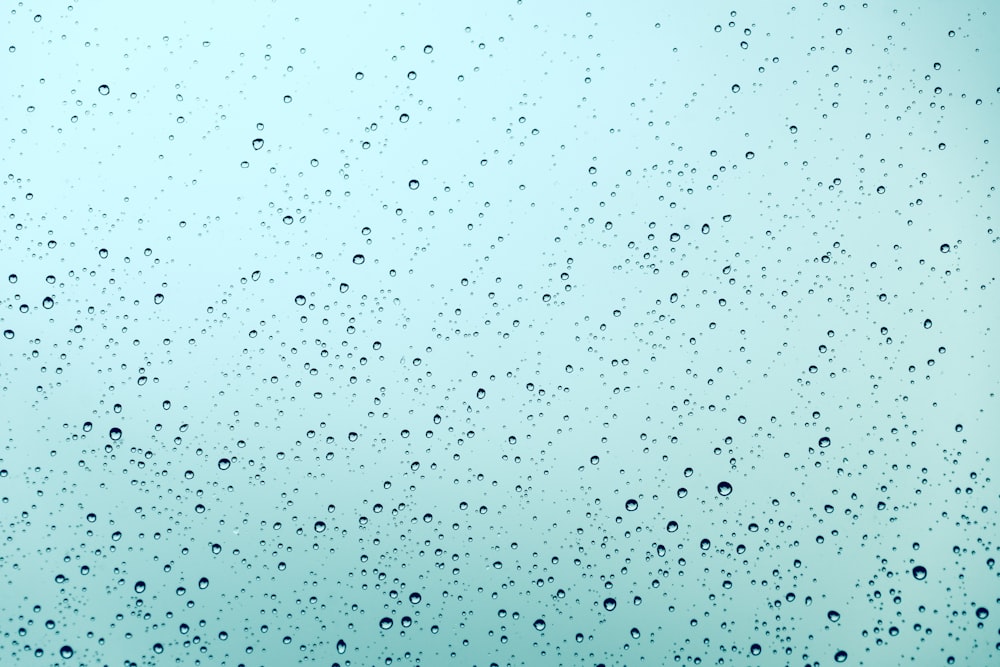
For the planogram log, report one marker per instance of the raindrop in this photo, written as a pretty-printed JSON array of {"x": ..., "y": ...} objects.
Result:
[
  {"x": 834, "y": 616},
  {"x": 385, "y": 623},
  {"x": 224, "y": 464},
  {"x": 749, "y": 155},
  {"x": 115, "y": 433},
  {"x": 945, "y": 248},
  {"x": 258, "y": 143},
  {"x": 610, "y": 604},
  {"x": 840, "y": 656},
  {"x": 300, "y": 300},
  {"x": 203, "y": 583},
  {"x": 928, "y": 324},
  {"x": 724, "y": 488},
  {"x": 319, "y": 526},
  {"x": 140, "y": 586},
  {"x": 755, "y": 649},
  {"x": 66, "y": 652},
  {"x": 414, "y": 184},
  {"x": 539, "y": 624},
  {"x": 415, "y": 598},
  {"x": 982, "y": 613},
  {"x": 631, "y": 504},
  {"x": 103, "y": 89},
  {"x": 341, "y": 646},
  {"x": 920, "y": 573},
  {"x": 481, "y": 393},
  {"x": 47, "y": 302},
  {"x": 358, "y": 259}
]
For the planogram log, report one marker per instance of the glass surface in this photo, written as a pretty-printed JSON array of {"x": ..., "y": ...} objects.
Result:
[{"x": 511, "y": 333}]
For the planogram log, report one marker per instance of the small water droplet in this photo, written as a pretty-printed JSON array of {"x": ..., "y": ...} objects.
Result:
[{"x": 103, "y": 89}]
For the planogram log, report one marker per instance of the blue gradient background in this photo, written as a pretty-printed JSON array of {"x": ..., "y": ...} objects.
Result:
[{"x": 673, "y": 245}]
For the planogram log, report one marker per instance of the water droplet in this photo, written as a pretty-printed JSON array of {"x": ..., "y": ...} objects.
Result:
[
  {"x": 824, "y": 441},
  {"x": 840, "y": 656},
  {"x": 793, "y": 129},
  {"x": 341, "y": 646},
  {"x": 928, "y": 324},
  {"x": 755, "y": 649},
  {"x": 358, "y": 259},
  {"x": 66, "y": 652},
  {"x": 736, "y": 88},
  {"x": 724, "y": 488},
  {"x": 610, "y": 604},
  {"x": 414, "y": 184},
  {"x": 319, "y": 526},
  {"x": 982, "y": 613},
  {"x": 103, "y": 89},
  {"x": 920, "y": 573},
  {"x": 428, "y": 49},
  {"x": 631, "y": 504},
  {"x": 672, "y": 526},
  {"x": 203, "y": 583},
  {"x": 300, "y": 300},
  {"x": 258, "y": 143},
  {"x": 359, "y": 75},
  {"x": 224, "y": 464},
  {"x": 47, "y": 302},
  {"x": 415, "y": 598},
  {"x": 115, "y": 433},
  {"x": 834, "y": 616},
  {"x": 480, "y": 393},
  {"x": 539, "y": 624},
  {"x": 750, "y": 155},
  {"x": 140, "y": 586},
  {"x": 385, "y": 623},
  {"x": 945, "y": 248}
]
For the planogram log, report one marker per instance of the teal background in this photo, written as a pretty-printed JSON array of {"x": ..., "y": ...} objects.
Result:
[{"x": 675, "y": 245}]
